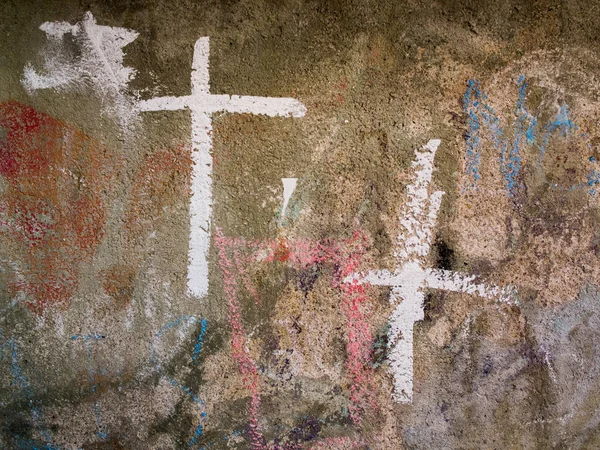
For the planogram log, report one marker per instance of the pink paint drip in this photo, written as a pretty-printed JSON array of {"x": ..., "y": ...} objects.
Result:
[
  {"x": 355, "y": 304},
  {"x": 240, "y": 353},
  {"x": 346, "y": 256}
]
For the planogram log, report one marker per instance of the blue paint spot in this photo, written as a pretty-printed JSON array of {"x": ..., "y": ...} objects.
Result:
[
  {"x": 175, "y": 323},
  {"x": 197, "y": 434},
  {"x": 562, "y": 123},
  {"x": 473, "y": 138},
  {"x": 482, "y": 116},
  {"x": 25, "y": 444}
]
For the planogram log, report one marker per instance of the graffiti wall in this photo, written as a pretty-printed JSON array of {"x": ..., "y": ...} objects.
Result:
[{"x": 299, "y": 225}]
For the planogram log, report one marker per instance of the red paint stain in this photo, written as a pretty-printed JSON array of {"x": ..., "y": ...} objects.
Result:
[
  {"x": 282, "y": 252},
  {"x": 160, "y": 183},
  {"x": 52, "y": 208},
  {"x": 118, "y": 283}
]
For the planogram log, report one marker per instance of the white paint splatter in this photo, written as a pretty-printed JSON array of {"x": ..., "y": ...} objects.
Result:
[
  {"x": 202, "y": 105},
  {"x": 100, "y": 64},
  {"x": 289, "y": 185},
  {"x": 408, "y": 281}
]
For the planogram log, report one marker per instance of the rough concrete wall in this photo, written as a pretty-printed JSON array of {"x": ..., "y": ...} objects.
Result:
[{"x": 430, "y": 283}]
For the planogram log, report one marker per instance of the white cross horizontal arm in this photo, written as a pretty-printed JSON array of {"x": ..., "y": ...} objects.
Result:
[
  {"x": 242, "y": 104},
  {"x": 457, "y": 282},
  {"x": 412, "y": 275}
]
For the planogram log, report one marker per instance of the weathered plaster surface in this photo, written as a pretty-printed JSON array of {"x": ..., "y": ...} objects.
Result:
[{"x": 325, "y": 224}]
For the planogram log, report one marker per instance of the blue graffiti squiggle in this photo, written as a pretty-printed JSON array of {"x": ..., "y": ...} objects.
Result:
[
  {"x": 199, "y": 341},
  {"x": 561, "y": 123},
  {"x": 482, "y": 116},
  {"x": 525, "y": 130},
  {"x": 198, "y": 431}
]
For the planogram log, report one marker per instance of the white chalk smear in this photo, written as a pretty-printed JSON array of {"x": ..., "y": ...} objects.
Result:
[
  {"x": 289, "y": 185},
  {"x": 408, "y": 281},
  {"x": 202, "y": 105},
  {"x": 99, "y": 64}
]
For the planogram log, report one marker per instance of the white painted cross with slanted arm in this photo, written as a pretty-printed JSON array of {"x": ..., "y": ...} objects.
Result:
[{"x": 408, "y": 281}]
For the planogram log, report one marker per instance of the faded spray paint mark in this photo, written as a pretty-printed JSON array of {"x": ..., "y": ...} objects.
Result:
[
  {"x": 289, "y": 185},
  {"x": 52, "y": 209},
  {"x": 202, "y": 104},
  {"x": 240, "y": 353},
  {"x": 88, "y": 339},
  {"x": 483, "y": 122},
  {"x": 159, "y": 184},
  {"x": 417, "y": 217},
  {"x": 481, "y": 116},
  {"x": 355, "y": 303},
  {"x": 183, "y": 322},
  {"x": 100, "y": 63},
  {"x": 22, "y": 382}
]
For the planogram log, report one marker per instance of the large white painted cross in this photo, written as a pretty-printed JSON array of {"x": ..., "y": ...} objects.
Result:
[
  {"x": 408, "y": 281},
  {"x": 202, "y": 105}
]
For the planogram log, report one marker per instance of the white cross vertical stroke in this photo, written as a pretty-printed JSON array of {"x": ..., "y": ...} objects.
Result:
[
  {"x": 202, "y": 104},
  {"x": 410, "y": 278}
]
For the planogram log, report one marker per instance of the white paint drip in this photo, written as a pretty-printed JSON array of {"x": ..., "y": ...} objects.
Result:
[
  {"x": 289, "y": 185},
  {"x": 547, "y": 361},
  {"x": 202, "y": 105},
  {"x": 129, "y": 317},
  {"x": 60, "y": 326},
  {"x": 100, "y": 64},
  {"x": 418, "y": 218}
]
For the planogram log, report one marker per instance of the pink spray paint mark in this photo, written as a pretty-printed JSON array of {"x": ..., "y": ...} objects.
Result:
[
  {"x": 345, "y": 256},
  {"x": 359, "y": 337},
  {"x": 241, "y": 355}
]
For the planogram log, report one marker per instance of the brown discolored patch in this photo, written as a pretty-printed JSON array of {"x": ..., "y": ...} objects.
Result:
[
  {"x": 52, "y": 211},
  {"x": 162, "y": 181},
  {"x": 118, "y": 281}
]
